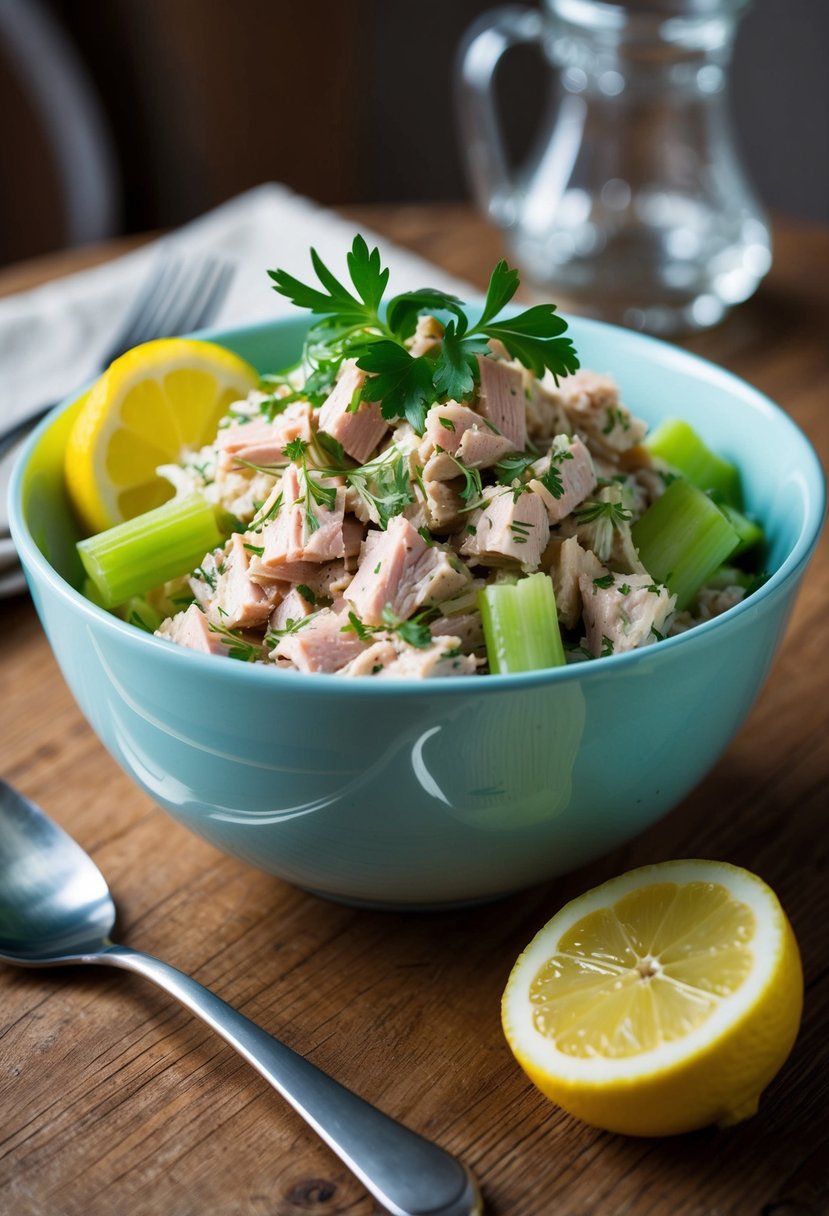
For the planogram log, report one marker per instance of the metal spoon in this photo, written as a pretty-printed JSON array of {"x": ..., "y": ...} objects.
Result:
[{"x": 56, "y": 909}]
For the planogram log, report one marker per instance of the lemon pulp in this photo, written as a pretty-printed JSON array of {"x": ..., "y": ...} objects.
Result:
[{"x": 644, "y": 971}]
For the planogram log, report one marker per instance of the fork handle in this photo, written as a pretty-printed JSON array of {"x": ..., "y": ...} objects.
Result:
[{"x": 408, "y": 1175}]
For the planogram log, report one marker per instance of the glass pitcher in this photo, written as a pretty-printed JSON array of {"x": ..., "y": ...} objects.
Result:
[{"x": 634, "y": 206}]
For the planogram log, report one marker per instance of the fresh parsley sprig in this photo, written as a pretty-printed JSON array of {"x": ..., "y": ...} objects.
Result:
[
  {"x": 314, "y": 491},
  {"x": 350, "y": 325},
  {"x": 383, "y": 485}
]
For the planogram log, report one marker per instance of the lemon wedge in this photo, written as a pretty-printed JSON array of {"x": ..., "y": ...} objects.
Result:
[
  {"x": 151, "y": 406},
  {"x": 662, "y": 1001}
]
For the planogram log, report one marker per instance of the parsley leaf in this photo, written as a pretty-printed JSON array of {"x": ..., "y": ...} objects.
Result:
[
  {"x": 403, "y": 310},
  {"x": 367, "y": 273},
  {"x": 401, "y": 383},
  {"x": 456, "y": 367},
  {"x": 503, "y": 284},
  {"x": 532, "y": 338}
]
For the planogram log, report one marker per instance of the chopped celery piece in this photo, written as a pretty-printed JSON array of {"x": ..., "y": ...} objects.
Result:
[
  {"x": 748, "y": 530},
  {"x": 137, "y": 611},
  {"x": 678, "y": 444},
  {"x": 521, "y": 625},
  {"x": 161, "y": 544},
  {"x": 91, "y": 592},
  {"x": 682, "y": 539}
]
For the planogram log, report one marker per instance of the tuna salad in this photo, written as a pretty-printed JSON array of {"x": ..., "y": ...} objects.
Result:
[{"x": 419, "y": 497}]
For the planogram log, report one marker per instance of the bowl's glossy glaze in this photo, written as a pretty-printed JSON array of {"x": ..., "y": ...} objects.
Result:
[{"x": 419, "y": 794}]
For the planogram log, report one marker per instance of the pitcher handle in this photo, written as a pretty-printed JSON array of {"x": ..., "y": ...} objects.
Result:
[{"x": 480, "y": 52}]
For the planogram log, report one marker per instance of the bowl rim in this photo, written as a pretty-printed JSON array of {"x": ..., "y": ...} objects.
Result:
[{"x": 659, "y": 353}]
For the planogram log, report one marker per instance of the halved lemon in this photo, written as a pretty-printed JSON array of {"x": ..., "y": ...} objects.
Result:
[
  {"x": 152, "y": 405},
  {"x": 659, "y": 1002}
]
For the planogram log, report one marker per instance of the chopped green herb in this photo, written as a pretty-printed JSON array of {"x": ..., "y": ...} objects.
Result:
[
  {"x": 238, "y": 646},
  {"x": 605, "y": 581},
  {"x": 296, "y": 449},
  {"x": 355, "y": 625},
  {"x": 206, "y": 576},
  {"x": 273, "y": 510},
  {"x": 274, "y": 636},
  {"x": 590, "y": 512},
  {"x": 413, "y": 631},
  {"x": 383, "y": 485}
]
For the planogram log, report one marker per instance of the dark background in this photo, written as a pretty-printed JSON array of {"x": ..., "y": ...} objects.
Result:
[{"x": 347, "y": 102}]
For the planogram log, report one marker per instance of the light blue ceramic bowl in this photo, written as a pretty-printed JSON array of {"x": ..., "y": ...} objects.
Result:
[{"x": 446, "y": 791}]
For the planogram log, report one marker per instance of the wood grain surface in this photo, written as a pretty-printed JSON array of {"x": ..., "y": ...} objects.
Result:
[{"x": 113, "y": 1100}]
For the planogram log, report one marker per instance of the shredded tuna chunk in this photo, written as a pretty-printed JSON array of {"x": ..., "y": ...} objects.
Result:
[
  {"x": 462, "y": 433},
  {"x": 442, "y": 658},
  {"x": 294, "y": 607},
  {"x": 569, "y": 563},
  {"x": 501, "y": 400},
  {"x": 259, "y": 441},
  {"x": 441, "y": 504},
  {"x": 609, "y": 534},
  {"x": 192, "y": 629},
  {"x": 546, "y": 416},
  {"x": 372, "y": 661},
  {"x": 627, "y": 614},
  {"x": 402, "y": 572},
  {"x": 225, "y": 591},
  {"x": 591, "y": 402},
  {"x": 465, "y": 626},
  {"x": 359, "y": 431},
  {"x": 304, "y": 530},
  {"x": 574, "y": 477},
  {"x": 323, "y": 643},
  {"x": 508, "y": 529}
]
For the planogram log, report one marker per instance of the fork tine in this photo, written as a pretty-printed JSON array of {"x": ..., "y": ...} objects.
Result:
[
  {"x": 139, "y": 320},
  {"x": 213, "y": 297},
  {"x": 174, "y": 303},
  {"x": 177, "y": 296},
  {"x": 188, "y": 300}
]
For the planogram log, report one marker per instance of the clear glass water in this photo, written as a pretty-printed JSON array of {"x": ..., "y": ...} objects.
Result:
[{"x": 634, "y": 207}]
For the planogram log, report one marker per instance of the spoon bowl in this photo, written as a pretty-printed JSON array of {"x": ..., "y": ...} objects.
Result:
[
  {"x": 55, "y": 906},
  {"x": 56, "y": 909}
]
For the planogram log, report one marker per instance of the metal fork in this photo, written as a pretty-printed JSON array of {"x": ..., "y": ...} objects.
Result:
[{"x": 179, "y": 294}]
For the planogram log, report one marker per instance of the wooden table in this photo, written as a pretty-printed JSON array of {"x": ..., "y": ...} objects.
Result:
[{"x": 115, "y": 1101}]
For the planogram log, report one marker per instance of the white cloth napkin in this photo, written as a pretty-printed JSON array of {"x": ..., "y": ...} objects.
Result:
[{"x": 51, "y": 338}]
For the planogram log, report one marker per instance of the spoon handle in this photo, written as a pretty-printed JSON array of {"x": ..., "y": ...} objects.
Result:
[{"x": 407, "y": 1174}]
